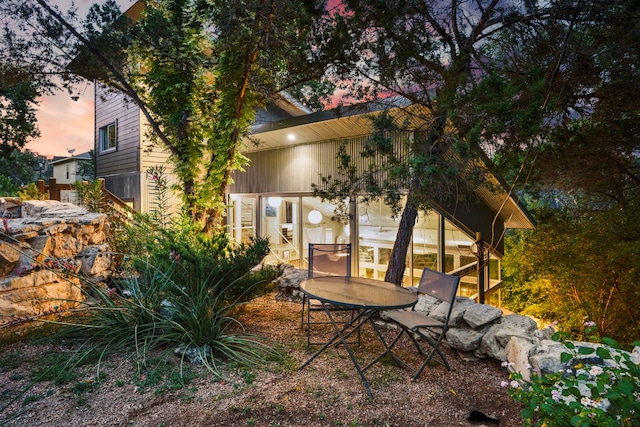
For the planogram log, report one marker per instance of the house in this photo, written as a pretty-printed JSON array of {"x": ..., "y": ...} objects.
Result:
[
  {"x": 67, "y": 170},
  {"x": 274, "y": 197}
]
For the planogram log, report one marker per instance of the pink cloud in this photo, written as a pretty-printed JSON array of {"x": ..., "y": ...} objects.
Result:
[{"x": 64, "y": 124}]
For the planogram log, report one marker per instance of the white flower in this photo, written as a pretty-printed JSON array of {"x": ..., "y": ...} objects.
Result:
[
  {"x": 515, "y": 384},
  {"x": 587, "y": 402},
  {"x": 504, "y": 384},
  {"x": 596, "y": 370}
]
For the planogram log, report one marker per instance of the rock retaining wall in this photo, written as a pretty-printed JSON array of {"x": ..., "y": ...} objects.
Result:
[
  {"x": 477, "y": 331},
  {"x": 45, "y": 246}
]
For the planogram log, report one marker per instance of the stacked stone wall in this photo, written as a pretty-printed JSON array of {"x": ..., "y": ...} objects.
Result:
[{"x": 45, "y": 247}]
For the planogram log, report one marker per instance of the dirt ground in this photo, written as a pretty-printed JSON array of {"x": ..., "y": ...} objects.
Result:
[{"x": 328, "y": 392}]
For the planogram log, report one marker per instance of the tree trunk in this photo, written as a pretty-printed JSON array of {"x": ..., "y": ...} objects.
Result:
[{"x": 398, "y": 261}]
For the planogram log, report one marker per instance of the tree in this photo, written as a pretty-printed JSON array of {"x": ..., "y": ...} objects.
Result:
[
  {"x": 86, "y": 169},
  {"x": 21, "y": 167},
  {"x": 32, "y": 64},
  {"x": 581, "y": 263},
  {"x": 18, "y": 94},
  {"x": 444, "y": 56},
  {"x": 198, "y": 71}
]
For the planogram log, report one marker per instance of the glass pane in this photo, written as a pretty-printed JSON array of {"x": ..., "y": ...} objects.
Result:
[
  {"x": 458, "y": 256},
  {"x": 425, "y": 245},
  {"x": 319, "y": 227},
  {"x": 281, "y": 225},
  {"x": 111, "y": 130},
  {"x": 242, "y": 218},
  {"x": 377, "y": 235}
]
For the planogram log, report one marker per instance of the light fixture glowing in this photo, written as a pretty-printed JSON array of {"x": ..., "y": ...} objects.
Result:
[
  {"x": 315, "y": 217},
  {"x": 274, "y": 202},
  {"x": 291, "y": 137}
]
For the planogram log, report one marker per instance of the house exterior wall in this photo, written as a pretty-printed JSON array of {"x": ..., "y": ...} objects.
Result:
[
  {"x": 124, "y": 168},
  {"x": 295, "y": 168},
  {"x": 113, "y": 107},
  {"x": 60, "y": 172}
]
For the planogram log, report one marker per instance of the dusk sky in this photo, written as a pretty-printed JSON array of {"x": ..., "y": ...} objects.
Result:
[{"x": 65, "y": 124}]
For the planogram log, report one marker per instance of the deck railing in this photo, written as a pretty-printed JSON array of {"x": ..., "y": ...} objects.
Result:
[{"x": 110, "y": 202}]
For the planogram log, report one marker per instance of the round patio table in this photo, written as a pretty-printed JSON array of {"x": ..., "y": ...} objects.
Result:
[{"x": 367, "y": 296}]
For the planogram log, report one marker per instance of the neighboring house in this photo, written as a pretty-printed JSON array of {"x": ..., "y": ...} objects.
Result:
[
  {"x": 273, "y": 198},
  {"x": 67, "y": 170}
]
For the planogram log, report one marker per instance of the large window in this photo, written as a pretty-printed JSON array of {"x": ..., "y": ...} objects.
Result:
[{"x": 108, "y": 137}]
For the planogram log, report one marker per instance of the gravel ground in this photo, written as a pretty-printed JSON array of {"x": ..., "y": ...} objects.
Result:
[{"x": 328, "y": 392}]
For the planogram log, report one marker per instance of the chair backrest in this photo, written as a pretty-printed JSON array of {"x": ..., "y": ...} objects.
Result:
[
  {"x": 329, "y": 259},
  {"x": 439, "y": 285}
]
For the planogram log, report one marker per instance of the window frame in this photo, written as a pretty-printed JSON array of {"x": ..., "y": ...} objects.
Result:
[{"x": 105, "y": 137}]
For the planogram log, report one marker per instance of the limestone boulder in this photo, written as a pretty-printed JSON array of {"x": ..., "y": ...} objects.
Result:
[
  {"x": 463, "y": 339},
  {"x": 38, "y": 292},
  {"x": 426, "y": 303},
  {"x": 96, "y": 260},
  {"x": 545, "y": 358},
  {"x": 51, "y": 209},
  {"x": 9, "y": 257},
  {"x": 41, "y": 254},
  {"x": 478, "y": 315},
  {"x": 459, "y": 307},
  {"x": 517, "y": 353},
  {"x": 498, "y": 336},
  {"x": 10, "y": 207},
  {"x": 288, "y": 284}
]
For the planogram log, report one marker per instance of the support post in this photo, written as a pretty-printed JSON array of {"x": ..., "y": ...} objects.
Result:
[{"x": 480, "y": 268}]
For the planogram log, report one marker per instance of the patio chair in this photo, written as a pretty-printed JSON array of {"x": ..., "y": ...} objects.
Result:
[
  {"x": 325, "y": 259},
  {"x": 442, "y": 287}
]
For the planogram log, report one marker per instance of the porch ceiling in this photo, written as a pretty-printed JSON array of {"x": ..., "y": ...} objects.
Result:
[{"x": 331, "y": 125}]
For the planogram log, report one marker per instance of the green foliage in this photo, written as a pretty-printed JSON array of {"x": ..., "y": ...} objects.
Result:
[
  {"x": 154, "y": 312},
  {"x": 18, "y": 93},
  {"x": 576, "y": 265},
  {"x": 90, "y": 194},
  {"x": 86, "y": 169},
  {"x": 202, "y": 88},
  {"x": 589, "y": 394},
  {"x": 30, "y": 192},
  {"x": 184, "y": 292},
  {"x": 7, "y": 186},
  {"x": 21, "y": 166},
  {"x": 159, "y": 213},
  {"x": 191, "y": 257}
]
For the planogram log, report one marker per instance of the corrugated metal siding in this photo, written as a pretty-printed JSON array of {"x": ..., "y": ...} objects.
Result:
[{"x": 295, "y": 168}]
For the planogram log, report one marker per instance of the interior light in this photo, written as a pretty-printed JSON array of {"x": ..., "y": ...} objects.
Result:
[
  {"x": 291, "y": 137},
  {"x": 315, "y": 217},
  {"x": 274, "y": 202}
]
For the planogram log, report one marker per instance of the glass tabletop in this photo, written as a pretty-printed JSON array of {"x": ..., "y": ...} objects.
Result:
[{"x": 358, "y": 292}]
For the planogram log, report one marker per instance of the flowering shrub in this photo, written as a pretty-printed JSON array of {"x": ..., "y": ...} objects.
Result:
[{"x": 601, "y": 387}]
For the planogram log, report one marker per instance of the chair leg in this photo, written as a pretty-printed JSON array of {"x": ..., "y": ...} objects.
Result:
[
  {"x": 436, "y": 350},
  {"x": 304, "y": 302},
  {"x": 387, "y": 350}
]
